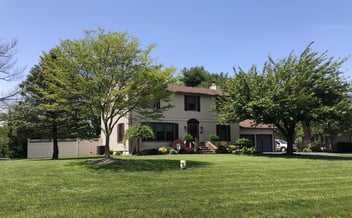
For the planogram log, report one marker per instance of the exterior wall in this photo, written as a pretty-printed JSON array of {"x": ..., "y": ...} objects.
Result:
[
  {"x": 39, "y": 148},
  {"x": 114, "y": 144}
]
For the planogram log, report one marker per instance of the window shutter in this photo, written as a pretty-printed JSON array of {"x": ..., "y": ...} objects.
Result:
[
  {"x": 186, "y": 102},
  {"x": 228, "y": 133},
  {"x": 176, "y": 131},
  {"x": 198, "y": 103},
  {"x": 120, "y": 132}
]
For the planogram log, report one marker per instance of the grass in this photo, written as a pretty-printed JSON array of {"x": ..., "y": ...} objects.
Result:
[{"x": 154, "y": 186}]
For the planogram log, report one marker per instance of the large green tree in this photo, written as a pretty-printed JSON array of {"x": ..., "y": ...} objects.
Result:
[
  {"x": 194, "y": 76},
  {"x": 117, "y": 76},
  {"x": 199, "y": 77},
  {"x": 298, "y": 89},
  {"x": 52, "y": 100}
]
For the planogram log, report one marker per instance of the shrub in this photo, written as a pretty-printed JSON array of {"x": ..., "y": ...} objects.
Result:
[
  {"x": 307, "y": 150},
  {"x": 242, "y": 150},
  {"x": 250, "y": 150},
  {"x": 231, "y": 147},
  {"x": 172, "y": 151},
  {"x": 214, "y": 138},
  {"x": 186, "y": 150},
  {"x": 188, "y": 138},
  {"x": 316, "y": 147},
  {"x": 116, "y": 153},
  {"x": 111, "y": 151},
  {"x": 153, "y": 151},
  {"x": 222, "y": 147},
  {"x": 163, "y": 150},
  {"x": 243, "y": 142}
]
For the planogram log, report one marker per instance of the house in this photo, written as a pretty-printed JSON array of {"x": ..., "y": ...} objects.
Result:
[{"x": 192, "y": 114}]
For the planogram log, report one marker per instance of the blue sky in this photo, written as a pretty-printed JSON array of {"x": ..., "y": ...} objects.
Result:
[{"x": 218, "y": 35}]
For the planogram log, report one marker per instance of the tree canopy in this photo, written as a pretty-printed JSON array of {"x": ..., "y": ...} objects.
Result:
[
  {"x": 116, "y": 76},
  {"x": 51, "y": 101},
  {"x": 304, "y": 88},
  {"x": 199, "y": 77},
  {"x": 139, "y": 133}
]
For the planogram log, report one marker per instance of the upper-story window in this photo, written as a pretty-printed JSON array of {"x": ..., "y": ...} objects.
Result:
[
  {"x": 154, "y": 105},
  {"x": 192, "y": 103}
]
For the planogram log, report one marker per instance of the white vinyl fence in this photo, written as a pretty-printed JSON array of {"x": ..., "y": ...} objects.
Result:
[{"x": 43, "y": 148}]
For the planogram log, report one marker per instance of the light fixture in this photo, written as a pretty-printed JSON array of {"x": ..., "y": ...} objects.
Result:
[
  {"x": 201, "y": 129},
  {"x": 185, "y": 128}
]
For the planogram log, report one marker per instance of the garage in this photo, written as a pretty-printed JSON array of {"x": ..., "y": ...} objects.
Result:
[
  {"x": 261, "y": 135},
  {"x": 262, "y": 142}
]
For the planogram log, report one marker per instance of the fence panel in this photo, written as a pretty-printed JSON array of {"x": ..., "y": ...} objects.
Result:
[{"x": 43, "y": 148}]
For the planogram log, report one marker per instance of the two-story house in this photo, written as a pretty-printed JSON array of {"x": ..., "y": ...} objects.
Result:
[{"x": 192, "y": 114}]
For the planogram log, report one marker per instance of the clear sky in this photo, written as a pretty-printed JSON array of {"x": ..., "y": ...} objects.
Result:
[{"x": 216, "y": 34}]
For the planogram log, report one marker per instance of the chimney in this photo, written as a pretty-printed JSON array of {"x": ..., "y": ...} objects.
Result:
[{"x": 214, "y": 86}]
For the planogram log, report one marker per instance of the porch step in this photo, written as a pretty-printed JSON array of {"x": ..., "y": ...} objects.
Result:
[{"x": 205, "y": 150}]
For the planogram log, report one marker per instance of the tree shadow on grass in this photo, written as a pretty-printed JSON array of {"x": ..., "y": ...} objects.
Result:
[
  {"x": 310, "y": 156},
  {"x": 135, "y": 165}
]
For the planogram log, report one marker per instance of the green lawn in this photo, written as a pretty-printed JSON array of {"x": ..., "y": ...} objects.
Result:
[{"x": 154, "y": 186}]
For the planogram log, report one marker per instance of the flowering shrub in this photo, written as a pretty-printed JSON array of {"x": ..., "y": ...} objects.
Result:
[
  {"x": 111, "y": 151},
  {"x": 188, "y": 151},
  {"x": 163, "y": 150}
]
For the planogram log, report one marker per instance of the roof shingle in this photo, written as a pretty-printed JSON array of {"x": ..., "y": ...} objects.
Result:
[
  {"x": 252, "y": 124},
  {"x": 194, "y": 90}
]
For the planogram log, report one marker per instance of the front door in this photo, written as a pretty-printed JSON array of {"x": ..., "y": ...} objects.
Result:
[{"x": 193, "y": 128}]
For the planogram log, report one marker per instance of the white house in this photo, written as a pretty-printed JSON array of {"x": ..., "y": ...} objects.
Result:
[{"x": 192, "y": 114}]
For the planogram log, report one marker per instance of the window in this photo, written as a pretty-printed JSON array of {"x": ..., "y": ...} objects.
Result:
[
  {"x": 224, "y": 132},
  {"x": 157, "y": 105},
  {"x": 192, "y": 103},
  {"x": 164, "y": 131},
  {"x": 154, "y": 105},
  {"x": 120, "y": 132}
]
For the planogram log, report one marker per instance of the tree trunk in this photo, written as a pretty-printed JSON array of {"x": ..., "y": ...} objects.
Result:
[
  {"x": 139, "y": 145},
  {"x": 290, "y": 140},
  {"x": 55, "y": 142},
  {"x": 288, "y": 130},
  {"x": 107, "y": 145},
  {"x": 307, "y": 134}
]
